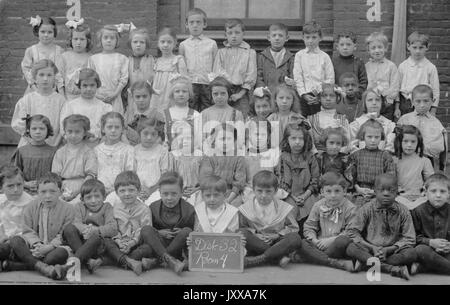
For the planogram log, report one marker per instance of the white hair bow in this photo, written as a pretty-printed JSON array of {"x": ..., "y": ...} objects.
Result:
[
  {"x": 289, "y": 81},
  {"x": 339, "y": 91},
  {"x": 73, "y": 24},
  {"x": 125, "y": 27},
  {"x": 261, "y": 91},
  {"x": 176, "y": 76},
  {"x": 35, "y": 21},
  {"x": 212, "y": 76}
]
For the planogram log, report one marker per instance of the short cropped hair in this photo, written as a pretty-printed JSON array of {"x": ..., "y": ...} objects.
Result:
[
  {"x": 78, "y": 119},
  {"x": 87, "y": 33},
  {"x": 418, "y": 37},
  {"x": 196, "y": 11},
  {"x": 45, "y": 20},
  {"x": 333, "y": 178},
  {"x": 39, "y": 118},
  {"x": 346, "y": 34},
  {"x": 90, "y": 186},
  {"x": 265, "y": 179},
  {"x": 371, "y": 123},
  {"x": 127, "y": 178},
  {"x": 438, "y": 177},
  {"x": 213, "y": 182},
  {"x": 419, "y": 89},
  {"x": 50, "y": 177},
  {"x": 231, "y": 23},
  {"x": 87, "y": 73},
  {"x": 279, "y": 27},
  {"x": 386, "y": 176},
  {"x": 312, "y": 27},
  {"x": 9, "y": 171},
  {"x": 42, "y": 64},
  {"x": 140, "y": 31},
  {"x": 171, "y": 178},
  {"x": 377, "y": 36},
  {"x": 348, "y": 75},
  {"x": 108, "y": 27},
  {"x": 153, "y": 122}
]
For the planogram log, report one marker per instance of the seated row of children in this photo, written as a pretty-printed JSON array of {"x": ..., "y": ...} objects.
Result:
[{"x": 40, "y": 233}]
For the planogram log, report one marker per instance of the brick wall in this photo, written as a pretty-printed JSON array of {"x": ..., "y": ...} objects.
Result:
[
  {"x": 335, "y": 16},
  {"x": 16, "y": 35},
  {"x": 432, "y": 18},
  {"x": 429, "y": 17}
]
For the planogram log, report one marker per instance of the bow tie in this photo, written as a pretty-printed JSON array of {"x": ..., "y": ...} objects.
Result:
[{"x": 330, "y": 213}]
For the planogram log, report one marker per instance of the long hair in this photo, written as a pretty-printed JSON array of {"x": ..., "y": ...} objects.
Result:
[
  {"x": 303, "y": 127},
  {"x": 400, "y": 132}
]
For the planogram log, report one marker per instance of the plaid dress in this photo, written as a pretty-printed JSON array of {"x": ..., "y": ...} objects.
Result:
[{"x": 365, "y": 165}]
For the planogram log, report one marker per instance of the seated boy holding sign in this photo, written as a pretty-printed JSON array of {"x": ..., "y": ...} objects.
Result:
[
  {"x": 268, "y": 224},
  {"x": 173, "y": 219}
]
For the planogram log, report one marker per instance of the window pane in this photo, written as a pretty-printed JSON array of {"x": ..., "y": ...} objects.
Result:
[
  {"x": 222, "y": 8},
  {"x": 273, "y": 9}
]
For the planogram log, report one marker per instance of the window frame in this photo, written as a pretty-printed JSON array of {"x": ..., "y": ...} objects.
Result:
[{"x": 255, "y": 28}]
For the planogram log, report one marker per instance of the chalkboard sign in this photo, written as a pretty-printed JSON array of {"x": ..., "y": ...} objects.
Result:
[{"x": 218, "y": 252}]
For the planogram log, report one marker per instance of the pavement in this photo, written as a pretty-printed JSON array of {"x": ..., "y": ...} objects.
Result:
[{"x": 294, "y": 274}]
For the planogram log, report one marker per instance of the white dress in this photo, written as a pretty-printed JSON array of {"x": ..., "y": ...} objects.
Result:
[
  {"x": 35, "y": 103},
  {"x": 112, "y": 160},
  {"x": 113, "y": 71},
  {"x": 34, "y": 54},
  {"x": 71, "y": 64},
  {"x": 151, "y": 163}
]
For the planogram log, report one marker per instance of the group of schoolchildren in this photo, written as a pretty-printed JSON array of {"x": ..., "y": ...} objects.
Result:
[{"x": 121, "y": 158}]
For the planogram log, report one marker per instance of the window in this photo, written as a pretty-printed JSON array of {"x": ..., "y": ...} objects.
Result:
[{"x": 256, "y": 14}]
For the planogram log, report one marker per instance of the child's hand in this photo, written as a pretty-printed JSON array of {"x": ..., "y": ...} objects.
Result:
[
  {"x": 384, "y": 252},
  {"x": 93, "y": 231},
  {"x": 243, "y": 241},
  {"x": 235, "y": 97},
  {"x": 376, "y": 250},
  {"x": 41, "y": 250},
  {"x": 165, "y": 233},
  {"x": 109, "y": 98},
  {"x": 438, "y": 243},
  {"x": 45, "y": 249},
  {"x": 397, "y": 113},
  {"x": 310, "y": 99},
  {"x": 143, "y": 195},
  {"x": 272, "y": 236},
  {"x": 31, "y": 185},
  {"x": 364, "y": 191},
  {"x": 325, "y": 243},
  {"x": 189, "y": 241},
  {"x": 187, "y": 192},
  {"x": 445, "y": 249}
]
